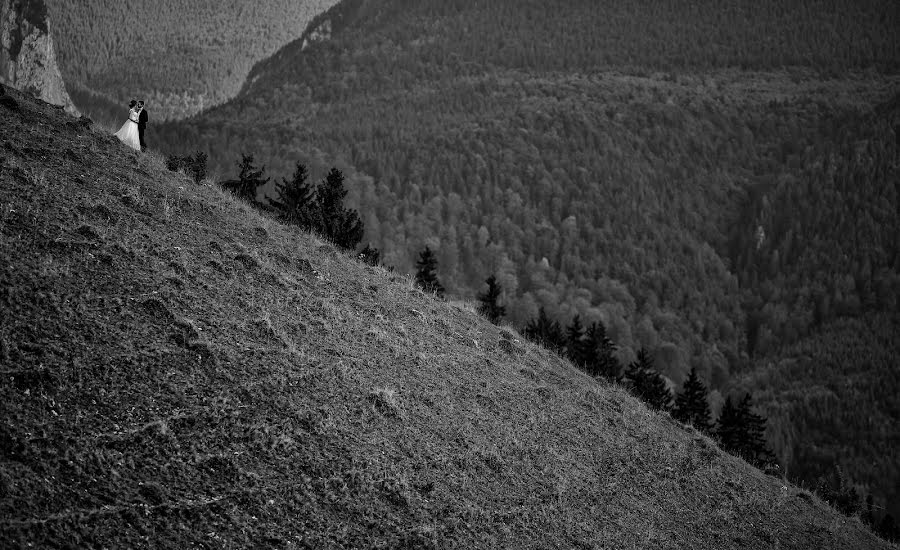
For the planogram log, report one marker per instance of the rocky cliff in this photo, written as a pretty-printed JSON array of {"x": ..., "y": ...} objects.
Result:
[{"x": 27, "y": 53}]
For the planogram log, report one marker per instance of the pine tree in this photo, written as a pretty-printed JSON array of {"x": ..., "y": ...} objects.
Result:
[
  {"x": 545, "y": 332},
  {"x": 599, "y": 350},
  {"x": 729, "y": 430},
  {"x": 341, "y": 225},
  {"x": 648, "y": 384},
  {"x": 248, "y": 180},
  {"x": 370, "y": 255},
  {"x": 426, "y": 273},
  {"x": 297, "y": 200},
  {"x": 742, "y": 432},
  {"x": 575, "y": 344},
  {"x": 490, "y": 306},
  {"x": 692, "y": 405},
  {"x": 753, "y": 444}
]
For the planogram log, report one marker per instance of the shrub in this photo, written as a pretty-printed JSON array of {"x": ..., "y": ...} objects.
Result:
[{"x": 193, "y": 166}]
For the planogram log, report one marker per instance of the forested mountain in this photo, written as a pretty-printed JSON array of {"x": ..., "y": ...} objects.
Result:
[
  {"x": 821, "y": 286},
  {"x": 181, "y": 55},
  {"x": 613, "y": 160}
]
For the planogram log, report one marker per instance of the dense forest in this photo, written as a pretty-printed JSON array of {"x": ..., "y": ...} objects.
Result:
[
  {"x": 686, "y": 173},
  {"x": 821, "y": 288},
  {"x": 180, "y": 55}
]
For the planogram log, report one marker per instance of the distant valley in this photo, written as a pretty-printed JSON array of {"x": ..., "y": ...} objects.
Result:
[{"x": 180, "y": 55}]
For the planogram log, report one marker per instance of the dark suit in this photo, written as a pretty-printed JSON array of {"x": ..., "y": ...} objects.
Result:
[{"x": 143, "y": 118}]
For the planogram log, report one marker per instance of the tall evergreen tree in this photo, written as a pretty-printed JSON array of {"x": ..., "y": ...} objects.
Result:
[
  {"x": 729, "y": 429},
  {"x": 692, "y": 404},
  {"x": 297, "y": 200},
  {"x": 249, "y": 179},
  {"x": 753, "y": 446},
  {"x": 341, "y": 225},
  {"x": 426, "y": 273},
  {"x": 742, "y": 432},
  {"x": 575, "y": 343},
  {"x": 599, "y": 351},
  {"x": 647, "y": 383},
  {"x": 489, "y": 301},
  {"x": 546, "y": 332}
]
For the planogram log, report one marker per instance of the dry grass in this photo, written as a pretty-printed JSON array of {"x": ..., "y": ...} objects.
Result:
[{"x": 190, "y": 373}]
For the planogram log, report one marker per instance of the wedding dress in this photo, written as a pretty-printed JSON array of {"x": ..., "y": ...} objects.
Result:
[{"x": 129, "y": 132}]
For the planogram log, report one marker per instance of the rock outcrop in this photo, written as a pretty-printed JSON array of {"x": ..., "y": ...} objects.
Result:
[{"x": 27, "y": 53}]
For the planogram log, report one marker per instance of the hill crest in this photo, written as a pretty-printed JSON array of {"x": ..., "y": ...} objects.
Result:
[{"x": 178, "y": 369}]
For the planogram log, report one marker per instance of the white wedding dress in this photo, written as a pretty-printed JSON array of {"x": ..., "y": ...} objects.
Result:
[{"x": 129, "y": 132}]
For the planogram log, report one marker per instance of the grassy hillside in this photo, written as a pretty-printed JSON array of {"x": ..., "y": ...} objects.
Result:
[
  {"x": 181, "y": 55},
  {"x": 617, "y": 162},
  {"x": 179, "y": 370}
]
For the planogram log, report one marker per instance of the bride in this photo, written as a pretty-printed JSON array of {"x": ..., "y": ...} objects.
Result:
[{"x": 129, "y": 132}]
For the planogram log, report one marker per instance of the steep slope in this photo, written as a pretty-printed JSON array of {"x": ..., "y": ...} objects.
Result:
[
  {"x": 181, "y": 55},
  {"x": 605, "y": 159},
  {"x": 179, "y": 370},
  {"x": 28, "y": 54}
]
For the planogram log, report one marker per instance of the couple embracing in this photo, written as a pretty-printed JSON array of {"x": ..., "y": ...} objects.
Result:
[{"x": 132, "y": 133}]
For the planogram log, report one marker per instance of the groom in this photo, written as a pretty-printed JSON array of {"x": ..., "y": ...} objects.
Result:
[{"x": 142, "y": 124}]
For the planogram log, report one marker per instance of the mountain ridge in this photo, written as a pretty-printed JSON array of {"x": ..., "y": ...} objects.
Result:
[
  {"x": 180, "y": 369},
  {"x": 182, "y": 56}
]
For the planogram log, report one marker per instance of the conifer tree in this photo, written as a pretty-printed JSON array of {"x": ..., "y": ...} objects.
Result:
[
  {"x": 648, "y": 384},
  {"x": 742, "y": 432},
  {"x": 692, "y": 405},
  {"x": 841, "y": 494},
  {"x": 341, "y": 225},
  {"x": 599, "y": 351},
  {"x": 426, "y": 273},
  {"x": 575, "y": 344},
  {"x": 753, "y": 442},
  {"x": 490, "y": 306},
  {"x": 249, "y": 179},
  {"x": 545, "y": 332},
  {"x": 729, "y": 430},
  {"x": 297, "y": 200}
]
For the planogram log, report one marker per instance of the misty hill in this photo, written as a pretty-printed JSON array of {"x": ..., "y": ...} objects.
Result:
[
  {"x": 615, "y": 162},
  {"x": 181, "y": 55},
  {"x": 179, "y": 370}
]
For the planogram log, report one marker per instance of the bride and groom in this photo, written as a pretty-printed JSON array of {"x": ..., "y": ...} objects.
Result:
[{"x": 132, "y": 133}]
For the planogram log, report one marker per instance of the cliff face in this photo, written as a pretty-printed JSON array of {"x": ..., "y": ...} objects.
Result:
[{"x": 27, "y": 53}]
